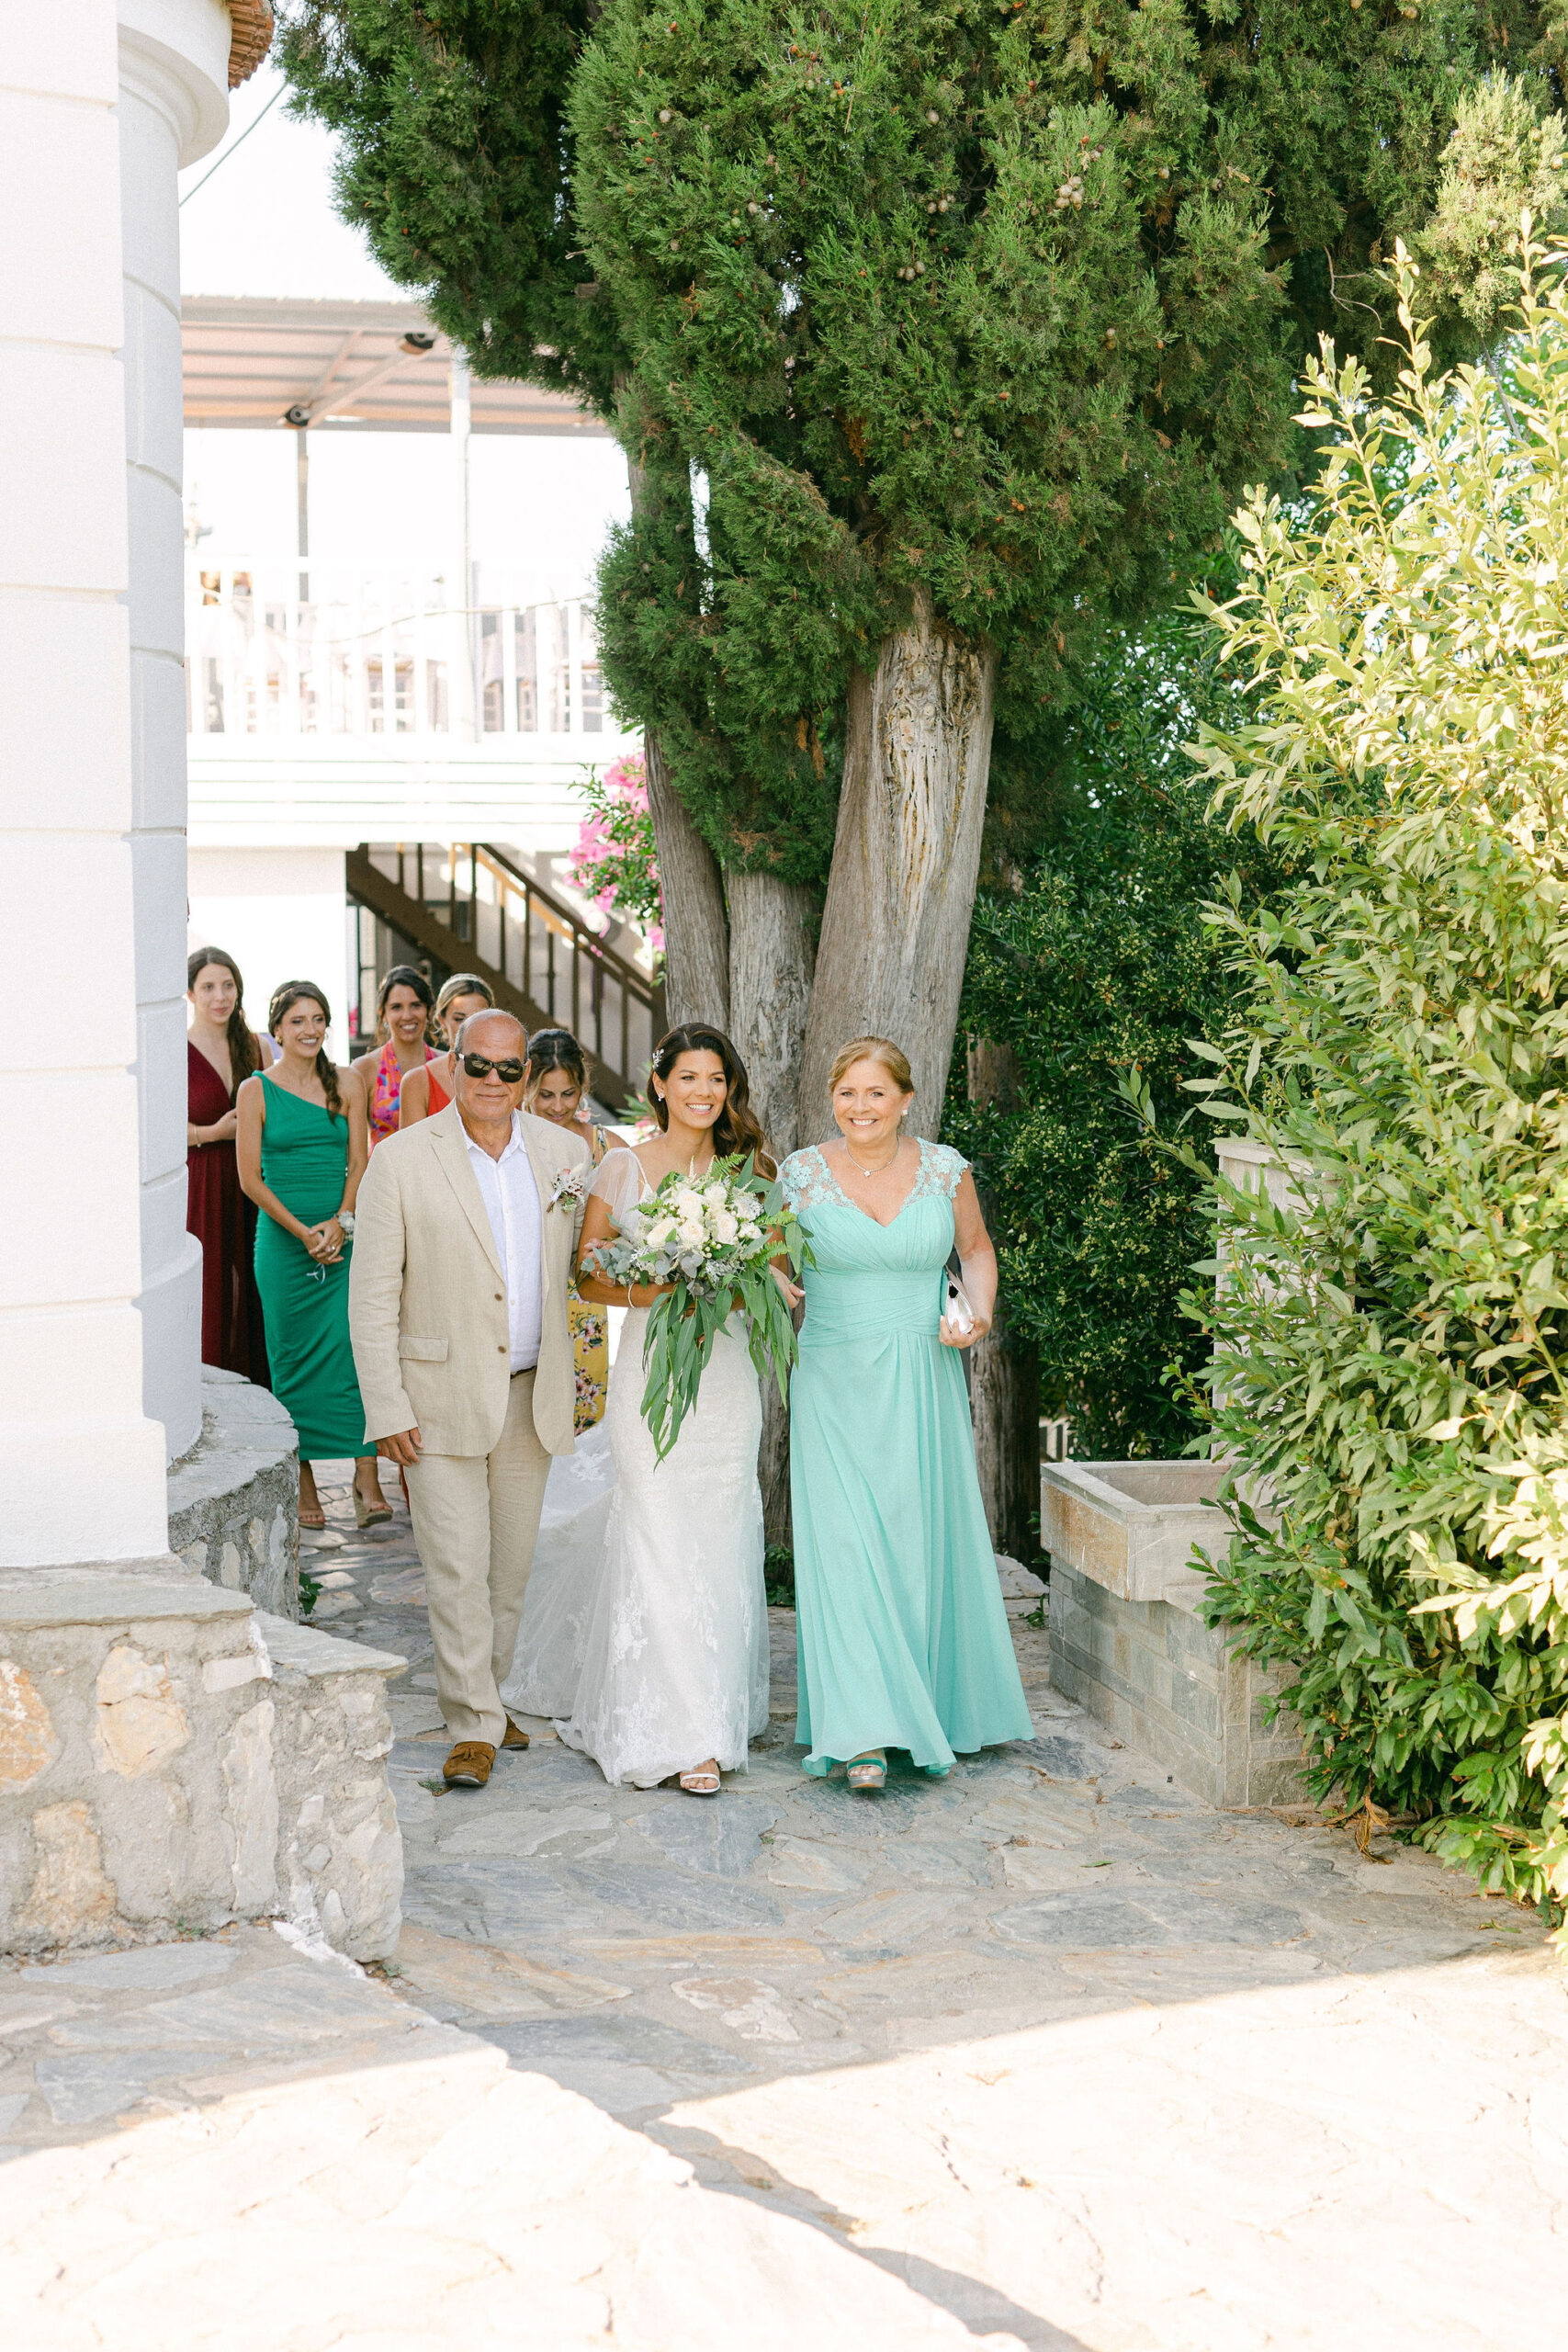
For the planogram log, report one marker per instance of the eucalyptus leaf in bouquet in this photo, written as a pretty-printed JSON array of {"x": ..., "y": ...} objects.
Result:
[{"x": 715, "y": 1239}]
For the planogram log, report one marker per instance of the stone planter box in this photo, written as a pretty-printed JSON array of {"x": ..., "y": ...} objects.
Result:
[{"x": 1127, "y": 1643}]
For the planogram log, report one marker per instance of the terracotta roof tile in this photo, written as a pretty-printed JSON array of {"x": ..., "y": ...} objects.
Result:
[{"x": 251, "y": 38}]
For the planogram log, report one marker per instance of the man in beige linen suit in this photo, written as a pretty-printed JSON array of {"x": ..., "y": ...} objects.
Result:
[{"x": 458, "y": 1309}]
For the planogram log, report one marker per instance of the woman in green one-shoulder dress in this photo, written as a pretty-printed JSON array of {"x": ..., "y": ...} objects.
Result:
[
  {"x": 302, "y": 1148},
  {"x": 903, "y": 1635}
]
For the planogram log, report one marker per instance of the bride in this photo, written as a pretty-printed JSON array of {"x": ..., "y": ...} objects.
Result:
[{"x": 645, "y": 1633}]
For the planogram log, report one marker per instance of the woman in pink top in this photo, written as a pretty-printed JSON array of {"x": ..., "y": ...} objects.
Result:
[{"x": 405, "y": 1038}]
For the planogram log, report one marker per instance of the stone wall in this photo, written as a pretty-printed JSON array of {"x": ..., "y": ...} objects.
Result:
[
  {"x": 1166, "y": 1683},
  {"x": 170, "y": 1759},
  {"x": 134, "y": 1721},
  {"x": 234, "y": 1498},
  {"x": 340, "y": 1852}
]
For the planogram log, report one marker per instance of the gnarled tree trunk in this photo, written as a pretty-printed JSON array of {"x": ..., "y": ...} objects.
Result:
[
  {"x": 696, "y": 942},
  {"x": 1004, "y": 1398},
  {"x": 771, "y": 951},
  {"x": 905, "y": 857},
  {"x": 772, "y": 954},
  {"x": 1004, "y": 1368}
]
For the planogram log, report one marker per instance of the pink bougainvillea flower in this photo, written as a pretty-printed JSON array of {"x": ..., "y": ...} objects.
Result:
[{"x": 613, "y": 860}]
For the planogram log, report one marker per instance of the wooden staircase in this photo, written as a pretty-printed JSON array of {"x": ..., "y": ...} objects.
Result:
[{"x": 469, "y": 908}]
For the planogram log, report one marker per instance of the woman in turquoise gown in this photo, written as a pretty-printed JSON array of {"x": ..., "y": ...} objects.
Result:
[{"x": 903, "y": 1637}]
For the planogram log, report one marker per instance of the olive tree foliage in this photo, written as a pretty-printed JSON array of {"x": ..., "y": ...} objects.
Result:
[
  {"x": 934, "y": 334},
  {"x": 1389, "y": 1364}
]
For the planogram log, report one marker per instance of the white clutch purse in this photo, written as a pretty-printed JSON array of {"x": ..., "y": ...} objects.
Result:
[{"x": 957, "y": 1314}]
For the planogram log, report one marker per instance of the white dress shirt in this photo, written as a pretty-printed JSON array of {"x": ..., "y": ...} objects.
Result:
[{"x": 511, "y": 1204}]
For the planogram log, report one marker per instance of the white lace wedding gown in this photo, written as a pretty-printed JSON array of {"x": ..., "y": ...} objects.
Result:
[{"x": 644, "y": 1630}]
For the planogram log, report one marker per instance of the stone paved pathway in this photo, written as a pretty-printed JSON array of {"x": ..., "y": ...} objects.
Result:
[{"x": 1045, "y": 2054}]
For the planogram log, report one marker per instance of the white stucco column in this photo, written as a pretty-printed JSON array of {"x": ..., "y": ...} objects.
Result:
[
  {"x": 174, "y": 106},
  {"x": 85, "y": 1465}
]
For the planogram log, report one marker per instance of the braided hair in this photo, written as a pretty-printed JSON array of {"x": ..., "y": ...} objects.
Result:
[
  {"x": 244, "y": 1053},
  {"x": 736, "y": 1129},
  {"x": 290, "y": 993}
]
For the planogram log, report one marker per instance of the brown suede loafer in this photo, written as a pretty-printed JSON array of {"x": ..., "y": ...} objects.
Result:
[
  {"x": 514, "y": 1736},
  {"x": 468, "y": 1765}
]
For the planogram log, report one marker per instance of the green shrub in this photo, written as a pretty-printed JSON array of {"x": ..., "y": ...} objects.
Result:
[
  {"x": 778, "y": 1575},
  {"x": 1390, "y": 1349}
]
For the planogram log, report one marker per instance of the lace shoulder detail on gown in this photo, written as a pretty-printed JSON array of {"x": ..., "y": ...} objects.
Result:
[
  {"x": 807, "y": 1179},
  {"x": 942, "y": 1170}
]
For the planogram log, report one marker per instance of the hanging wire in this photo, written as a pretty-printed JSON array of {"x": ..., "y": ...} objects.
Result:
[{"x": 238, "y": 144}]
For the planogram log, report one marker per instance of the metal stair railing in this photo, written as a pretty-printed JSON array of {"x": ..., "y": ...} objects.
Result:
[{"x": 469, "y": 908}]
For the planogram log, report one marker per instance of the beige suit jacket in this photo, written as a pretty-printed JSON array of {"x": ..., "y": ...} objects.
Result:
[{"x": 427, "y": 1294}]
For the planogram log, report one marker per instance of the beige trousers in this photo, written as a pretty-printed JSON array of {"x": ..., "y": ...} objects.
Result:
[{"x": 475, "y": 1519}]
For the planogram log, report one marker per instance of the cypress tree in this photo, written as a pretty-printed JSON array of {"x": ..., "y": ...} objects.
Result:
[
  {"x": 962, "y": 322},
  {"x": 967, "y": 317}
]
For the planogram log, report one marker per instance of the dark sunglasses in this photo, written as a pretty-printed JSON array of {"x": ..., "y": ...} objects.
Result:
[{"x": 510, "y": 1072}]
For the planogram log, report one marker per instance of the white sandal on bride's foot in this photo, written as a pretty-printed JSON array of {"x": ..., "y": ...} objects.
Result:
[{"x": 699, "y": 1784}]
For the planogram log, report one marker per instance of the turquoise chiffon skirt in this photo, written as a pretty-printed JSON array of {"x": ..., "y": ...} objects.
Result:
[{"x": 904, "y": 1640}]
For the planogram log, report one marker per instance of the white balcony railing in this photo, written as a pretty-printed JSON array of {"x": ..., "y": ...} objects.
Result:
[{"x": 366, "y": 654}]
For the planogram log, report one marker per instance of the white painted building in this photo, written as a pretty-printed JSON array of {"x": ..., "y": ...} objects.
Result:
[
  {"x": 448, "y": 696},
  {"x": 104, "y": 103},
  {"x": 100, "y": 1303}
]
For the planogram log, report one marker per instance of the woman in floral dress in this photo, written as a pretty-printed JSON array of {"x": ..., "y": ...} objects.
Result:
[{"x": 557, "y": 1089}]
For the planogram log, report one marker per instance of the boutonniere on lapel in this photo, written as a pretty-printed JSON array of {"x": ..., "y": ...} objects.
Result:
[{"x": 572, "y": 1184}]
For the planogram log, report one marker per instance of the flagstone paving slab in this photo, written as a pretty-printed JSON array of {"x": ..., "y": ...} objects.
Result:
[
  {"x": 1061, "y": 1886},
  {"x": 429, "y": 2195},
  {"x": 1046, "y": 2052}
]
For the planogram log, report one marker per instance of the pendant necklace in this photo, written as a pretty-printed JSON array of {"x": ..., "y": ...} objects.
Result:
[{"x": 871, "y": 1172}]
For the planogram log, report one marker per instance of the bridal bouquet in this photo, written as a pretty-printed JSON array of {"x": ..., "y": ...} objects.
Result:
[{"x": 713, "y": 1237}]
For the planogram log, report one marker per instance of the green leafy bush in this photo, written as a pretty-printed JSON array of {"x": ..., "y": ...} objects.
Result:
[
  {"x": 1090, "y": 958},
  {"x": 1391, "y": 1341}
]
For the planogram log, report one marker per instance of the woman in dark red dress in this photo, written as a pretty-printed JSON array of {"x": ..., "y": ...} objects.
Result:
[{"x": 222, "y": 1052}]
